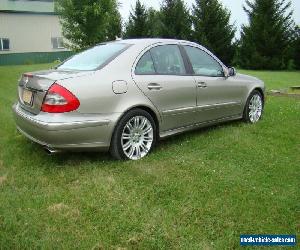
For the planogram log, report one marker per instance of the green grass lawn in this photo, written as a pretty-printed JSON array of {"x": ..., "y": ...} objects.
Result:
[
  {"x": 276, "y": 79},
  {"x": 198, "y": 190}
]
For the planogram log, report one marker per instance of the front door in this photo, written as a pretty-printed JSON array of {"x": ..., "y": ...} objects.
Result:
[{"x": 217, "y": 96}]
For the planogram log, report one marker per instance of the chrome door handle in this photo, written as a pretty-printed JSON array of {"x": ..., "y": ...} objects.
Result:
[
  {"x": 202, "y": 85},
  {"x": 154, "y": 86}
]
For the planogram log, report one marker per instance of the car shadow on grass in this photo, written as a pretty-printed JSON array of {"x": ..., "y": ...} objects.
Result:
[{"x": 68, "y": 158}]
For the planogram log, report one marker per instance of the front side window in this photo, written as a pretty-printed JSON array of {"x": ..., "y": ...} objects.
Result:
[
  {"x": 145, "y": 65},
  {"x": 168, "y": 60},
  {"x": 203, "y": 64},
  {"x": 93, "y": 58},
  {"x": 4, "y": 44}
]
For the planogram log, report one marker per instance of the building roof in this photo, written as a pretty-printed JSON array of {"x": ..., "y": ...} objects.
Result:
[{"x": 27, "y": 6}]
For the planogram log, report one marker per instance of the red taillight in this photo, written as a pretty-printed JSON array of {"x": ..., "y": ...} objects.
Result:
[
  {"x": 29, "y": 75},
  {"x": 59, "y": 100}
]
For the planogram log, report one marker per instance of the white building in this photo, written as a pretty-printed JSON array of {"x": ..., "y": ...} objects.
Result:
[{"x": 30, "y": 32}]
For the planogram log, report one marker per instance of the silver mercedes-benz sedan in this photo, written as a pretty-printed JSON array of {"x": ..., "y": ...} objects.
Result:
[{"x": 123, "y": 96}]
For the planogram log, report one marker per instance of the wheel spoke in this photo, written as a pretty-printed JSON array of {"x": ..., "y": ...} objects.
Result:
[
  {"x": 131, "y": 152},
  {"x": 127, "y": 145},
  {"x": 125, "y": 136},
  {"x": 138, "y": 152},
  {"x": 136, "y": 122},
  {"x": 144, "y": 148},
  {"x": 147, "y": 139},
  {"x": 129, "y": 126},
  {"x": 257, "y": 116},
  {"x": 143, "y": 123},
  {"x": 147, "y": 130}
]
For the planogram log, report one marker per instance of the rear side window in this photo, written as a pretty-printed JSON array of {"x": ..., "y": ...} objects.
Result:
[
  {"x": 93, "y": 58},
  {"x": 145, "y": 65},
  {"x": 168, "y": 60},
  {"x": 161, "y": 60},
  {"x": 203, "y": 64}
]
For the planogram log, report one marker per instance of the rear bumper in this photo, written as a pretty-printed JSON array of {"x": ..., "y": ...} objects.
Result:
[{"x": 66, "y": 131}]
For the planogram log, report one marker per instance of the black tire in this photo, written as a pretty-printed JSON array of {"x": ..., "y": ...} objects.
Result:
[
  {"x": 246, "y": 115},
  {"x": 116, "y": 149}
]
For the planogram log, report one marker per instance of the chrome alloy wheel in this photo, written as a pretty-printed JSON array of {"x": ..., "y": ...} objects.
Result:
[
  {"x": 137, "y": 137},
  {"x": 255, "y": 108}
]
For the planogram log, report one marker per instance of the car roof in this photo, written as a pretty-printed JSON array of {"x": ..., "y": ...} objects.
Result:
[
  {"x": 149, "y": 41},
  {"x": 145, "y": 42}
]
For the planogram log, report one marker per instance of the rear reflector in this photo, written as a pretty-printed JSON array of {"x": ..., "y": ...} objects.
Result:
[{"x": 59, "y": 100}]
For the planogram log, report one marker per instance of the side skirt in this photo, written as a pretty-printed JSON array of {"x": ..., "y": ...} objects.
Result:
[{"x": 165, "y": 134}]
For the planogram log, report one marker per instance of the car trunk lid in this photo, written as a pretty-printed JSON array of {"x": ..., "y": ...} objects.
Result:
[{"x": 33, "y": 86}]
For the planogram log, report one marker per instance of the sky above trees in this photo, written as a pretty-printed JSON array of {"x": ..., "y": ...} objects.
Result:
[{"x": 236, "y": 7}]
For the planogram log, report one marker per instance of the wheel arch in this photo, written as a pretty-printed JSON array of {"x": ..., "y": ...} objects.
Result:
[
  {"x": 152, "y": 113},
  {"x": 256, "y": 88},
  {"x": 260, "y": 91},
  {"x": 156, "y": 117},
  {"x": 250, "y": 91}
]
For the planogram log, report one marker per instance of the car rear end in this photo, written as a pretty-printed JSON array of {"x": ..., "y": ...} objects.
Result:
[
  {"x": 77, "y": 105},
  {"x": 47, "y": 113}
]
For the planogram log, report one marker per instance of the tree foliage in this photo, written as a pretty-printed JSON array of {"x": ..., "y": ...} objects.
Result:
[
  {"x": 269, "y": 41},
  {"x": 155, "y": 23},
  {"x": 175, "y": 20},
  {"x": 266, "y": 41},
  {"x": 88, "y": 22},
  {"x": 296, "y": 47},
  {"x": 138, "y": 24},
  {"x": 212, "y": 28}
]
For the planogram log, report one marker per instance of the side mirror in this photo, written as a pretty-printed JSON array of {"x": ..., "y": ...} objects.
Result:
[{"x": 231, "y": 71}]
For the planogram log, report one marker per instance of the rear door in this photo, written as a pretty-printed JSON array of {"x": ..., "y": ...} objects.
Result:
[
  {"x": 217, "y": 96},
  {"x": 162, "y": 76}
]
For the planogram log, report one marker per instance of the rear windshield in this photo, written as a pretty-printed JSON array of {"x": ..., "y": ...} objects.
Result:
[{"x": 93, "y": 58}]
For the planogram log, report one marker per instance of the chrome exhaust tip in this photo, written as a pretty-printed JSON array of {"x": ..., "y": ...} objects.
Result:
[{"x": 50, "y": 151}]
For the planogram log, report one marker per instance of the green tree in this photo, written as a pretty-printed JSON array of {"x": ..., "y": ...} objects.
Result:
[
  {"x": 212, "y": 28},
  {"x": 296, "y": 47},
  {"x": 155, "y": 23},
  {"x": 266, "y": 41},
  {"x": 88, "y": 22},
  {"x": 175, "y": 19},
  {"x": 138, "y": 23}
]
